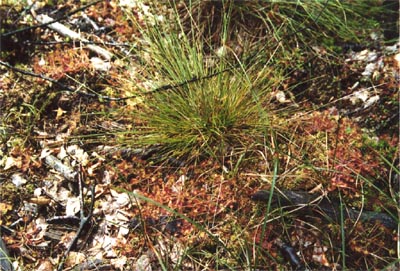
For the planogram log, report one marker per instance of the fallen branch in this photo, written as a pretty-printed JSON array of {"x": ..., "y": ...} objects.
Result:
[
  {"x": 44, "y": 43},
  {"x": 65, "y": 31},
  {"x": 56, "y": 20},
  {"x": 329, "y": 209}
]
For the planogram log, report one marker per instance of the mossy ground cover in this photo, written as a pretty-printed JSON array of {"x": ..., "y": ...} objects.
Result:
[{"x": 204, "y": 104}]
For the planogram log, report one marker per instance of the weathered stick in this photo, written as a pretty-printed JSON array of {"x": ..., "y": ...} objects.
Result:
[{"x": 65, "y": 31}]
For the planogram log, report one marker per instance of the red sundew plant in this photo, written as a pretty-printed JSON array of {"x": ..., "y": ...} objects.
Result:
[
  {"x": 348, "y": 164},
  {"x": 59, "y": 63},
  {"x": 337, "y": 146},
  {"x": 347, "y": 159}
]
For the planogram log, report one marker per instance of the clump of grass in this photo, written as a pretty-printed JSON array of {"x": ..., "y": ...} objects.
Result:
[
  {"x": 215, "y": 106},
  {"x": 213, "y": 111},
  {"x": 218, "y": 101}
]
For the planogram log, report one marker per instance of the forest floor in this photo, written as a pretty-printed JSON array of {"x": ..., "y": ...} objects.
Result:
[{"x": 69, "y": 174}]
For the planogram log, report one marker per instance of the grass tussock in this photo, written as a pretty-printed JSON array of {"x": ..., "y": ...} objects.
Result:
[
  {"x": 221, "y": 99},
  {"x": 219, "y": 103},
  {"x": 212, "y": 108}
]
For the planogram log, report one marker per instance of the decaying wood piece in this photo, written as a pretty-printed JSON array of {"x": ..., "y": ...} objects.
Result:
[
  {"x": 65, "y": 31},
  {"x": 326, "y": 207}
]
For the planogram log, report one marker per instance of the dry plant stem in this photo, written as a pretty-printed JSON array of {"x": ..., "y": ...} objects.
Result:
[
  {"x": 65, "y": 31},
  {"x": 83, "y": 218}
]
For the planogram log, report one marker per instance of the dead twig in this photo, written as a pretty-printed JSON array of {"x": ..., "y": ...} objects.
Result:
[
  {"x": 48, "y": 23},
  {"x": 65, "y": 31},
  {"x": 44, "y": 43},
  {"x": 83, "y": 219}
]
